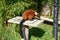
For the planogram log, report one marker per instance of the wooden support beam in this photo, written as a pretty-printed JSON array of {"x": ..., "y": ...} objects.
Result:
[{"x": 48, "y": 19}]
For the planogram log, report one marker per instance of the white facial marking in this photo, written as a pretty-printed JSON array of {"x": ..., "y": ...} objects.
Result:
[{"x": 36, "y": 13}]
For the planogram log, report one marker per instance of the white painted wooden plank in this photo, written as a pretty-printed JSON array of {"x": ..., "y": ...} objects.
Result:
[
  {"x": 47, "y": 19},
  {"x": 16, "y": 20},
  {"x": 33, "y": 23},
  {"x": 58, "y": 22}
]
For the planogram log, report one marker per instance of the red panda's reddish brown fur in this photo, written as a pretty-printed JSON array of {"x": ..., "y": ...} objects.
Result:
[{"x": 28, "y": 14}]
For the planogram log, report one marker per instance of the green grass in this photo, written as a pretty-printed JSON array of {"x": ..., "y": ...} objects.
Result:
[{"x": 42, "y": 32}]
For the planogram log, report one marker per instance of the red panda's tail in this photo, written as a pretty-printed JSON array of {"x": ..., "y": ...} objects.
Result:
[{"x": 22, "y": 29}]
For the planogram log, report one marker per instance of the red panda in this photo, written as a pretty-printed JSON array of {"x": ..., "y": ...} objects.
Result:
[{"x": 27, "y": 15}]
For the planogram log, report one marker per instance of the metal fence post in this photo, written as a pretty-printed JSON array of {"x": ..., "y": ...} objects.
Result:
[{"x": 55, "y": 20}]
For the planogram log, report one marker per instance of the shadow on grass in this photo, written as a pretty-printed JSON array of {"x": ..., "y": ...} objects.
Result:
[{"x": 37, "y": 32}]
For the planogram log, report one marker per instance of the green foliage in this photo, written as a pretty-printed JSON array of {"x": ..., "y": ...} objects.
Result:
[
  {"x": 16, "y": 9},
  {"x": 11, "y": 34},
  {"x": 12, "y": 8},
  {"x": 8, "y": 11}
]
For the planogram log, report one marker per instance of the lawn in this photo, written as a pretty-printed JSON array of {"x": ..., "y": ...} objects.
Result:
[{"x": 42, "y": 32}]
